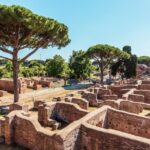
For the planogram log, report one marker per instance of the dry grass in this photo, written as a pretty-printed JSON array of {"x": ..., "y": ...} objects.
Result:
[{"x": 92, "y": 108}]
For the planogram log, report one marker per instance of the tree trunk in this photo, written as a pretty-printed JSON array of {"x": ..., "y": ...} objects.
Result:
[
  {"x": 101, "y": 71},
  {"x": 101, "y": 75},
  {"x": 15, "y": 77},
  {"x": 65, "y": 81}
]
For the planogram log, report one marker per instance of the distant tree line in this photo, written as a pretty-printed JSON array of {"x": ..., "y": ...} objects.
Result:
[
  {"x": 81, "y": 65},
  {"x": 144, "y": 60}
]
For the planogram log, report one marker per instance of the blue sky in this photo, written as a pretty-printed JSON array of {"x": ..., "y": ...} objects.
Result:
[{"x": 90, "y": 22}]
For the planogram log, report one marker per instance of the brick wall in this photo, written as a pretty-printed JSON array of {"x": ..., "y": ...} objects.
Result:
[
  {"x": 94, "y": 138},
  {"x": 84, "y": 104},
  {"x": 128, "y": 123},
  {"x": 146, "y": 94},
  {"x": 7, "y": 85},
  {"x": 69, "y": 112}
]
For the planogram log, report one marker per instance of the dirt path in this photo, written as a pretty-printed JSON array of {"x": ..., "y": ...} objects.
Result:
[{"x": 29, "y": 97}]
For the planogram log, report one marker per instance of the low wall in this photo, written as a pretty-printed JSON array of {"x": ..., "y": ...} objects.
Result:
[
  {"x": 2, "y": 127},
  {"x": 124, "y": 105},
  {"x": 128, "y": 123},
  {"x": 112, "y": 97},
  {"x": 69, "y": 112},
  {"x": 121, "y": 89},
  {"x": 98, "y": 119},
  {"x": 146, "y": 94},
  {"x": 144, "y": 87},
  {"x": 136, "y": 97},
  {"x": 95, "y": 138},
  {"x": 46, "y": 112},
  {"x": 90, "y": 97},
  {"x": 29, "y": 134},
  {"x": 17, "y": 106},
  {"x": 111, "y": 103},
  {"x": 84, "y": 104},
  {"x": 145, "y": 81},
  {"x": 7, "y": 85},
  {"x": 130, "y": 106}
]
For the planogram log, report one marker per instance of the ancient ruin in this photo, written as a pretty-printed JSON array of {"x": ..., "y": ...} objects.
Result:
[{"x": 119, "y": 119}]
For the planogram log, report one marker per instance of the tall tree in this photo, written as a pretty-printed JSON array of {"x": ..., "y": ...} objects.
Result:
[
  {"x": 104, "y": 55},
  {"x": 80, "y": 65},
  {"x": 21, "y": 29},
  {"x": 127, "y": 66}
]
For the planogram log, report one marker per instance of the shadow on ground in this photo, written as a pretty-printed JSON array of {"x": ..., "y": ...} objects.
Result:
[
  {"x": 77, "y": 86},
  {"x": 11, "y": 147}
]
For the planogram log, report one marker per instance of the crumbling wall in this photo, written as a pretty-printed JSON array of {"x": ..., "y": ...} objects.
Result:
[
  {"x": 7, "y": 85},
  {"x": 95, "y": 138},
  {"x": 128, "y": 123},
  {"x": 2, "y": 127},
  {"x": 124, "y": 105},
  {"x": 18, "y": 106},
  {"x": 27, "y": 135},
  {"x": 121, "y": 89},
  {"x": 145, "y": 93},
  {"x": 111, "y": 97},
  {"x": 144, "y": 87},
  {"x": 45, "y": 113},
  {"x": 90, "y": 97},
  {"x": 84, "y": 104},
  {"x": 145, "y": 81},
  {"x": 98, "y": 119},
  {"x": 130, "y": 106},
  {"x": 72, "y": 139},
  {"x": 111, "y": 103},
  {"x": 69, "y": 112},
  {"x": 136, "y": 97},
  {"x": 62, "y": 111}
]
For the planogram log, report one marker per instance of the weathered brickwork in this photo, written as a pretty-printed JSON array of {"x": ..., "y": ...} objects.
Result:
[
  {"x": 118, "y": 120},
  {"x": 104, "y": 128}
]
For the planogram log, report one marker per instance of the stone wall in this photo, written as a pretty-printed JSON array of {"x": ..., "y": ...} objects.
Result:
[
  {"x": 102, "y": 129},
  {"x": 7, "y": 85},
  {"x": 124, "y": 105},
  {"x": 136, "y": 97},
  {"x": 72, "y": 137},
  {"x": 64, "y": 111},
  {"x": 128, "y": 123},
  {"x": 98, "y": 119},
  {"x": 84, "y": 104},
  {"x": 90, "y": 97},
  {"x": 69, "y": 112},
  {"x": 18, "y": 106},
  {"x": 145, "y": 81},
  {"x": 121, "y": 89},
  {"x": 112, "y": 103},
  {"x": 112, "y": 97},
  {"x": 145, "y": 93},
  {"x": 144, "y": 87},
  {"x": 130, "y": 106},
  {"x": 95, "y": 138},
  {"x": 29, "y": 134},
  {"x": 45, "y": 112},
  {"x": 37, "y": 103},
  {"x": 2, "y": 127}
]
